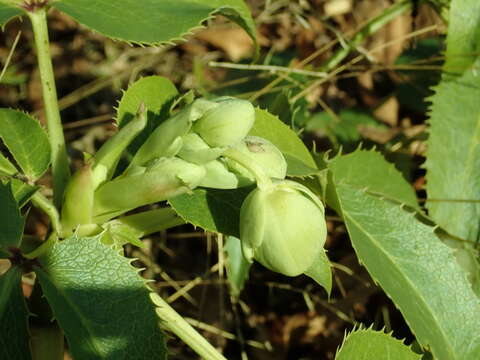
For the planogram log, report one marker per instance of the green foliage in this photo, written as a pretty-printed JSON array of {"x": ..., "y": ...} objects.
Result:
[
  {"x": 321, "y": 272},
  {"x": 237, "y": 266},
  {"x": 368, "y": 170},
  {"x": 32, "y": 152},
  {"x": 346, "y": 129},
  {"x": 300, "y": 162},
  {"x": 6, "y": 167},
  {"x": 212, "y": 209},
  {"x": 453, "y": 157},
  {"x": 152, "y": 21},
  {"x": 406, "y": 258},
  {"x": 22, "y": 191},
  {"x": 7, "y": 12},
  {"x": 11, "y": 220},
  {"x": 157, "y": 94},
  {"x": 13, "y": 317},
  {"x": 366, "y": 344},
  {"x": 100, "y": 301}
]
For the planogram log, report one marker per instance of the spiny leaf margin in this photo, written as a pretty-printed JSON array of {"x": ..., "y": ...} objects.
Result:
[
  {"x": 365, "y": 344},
  {"x": 179, "y": 18},
  {"x": 100, "y": 301},
  {"x": 415, "y": 269}
]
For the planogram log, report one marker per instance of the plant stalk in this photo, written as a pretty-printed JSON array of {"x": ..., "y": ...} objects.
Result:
[
  {"x": 44, "y": 204},
  {"x": 60, "y": 167},
  {"x": 174, "y": 322}
]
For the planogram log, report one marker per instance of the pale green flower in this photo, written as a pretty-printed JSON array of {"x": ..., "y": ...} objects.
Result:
[
  {"x": 266, "y": 155},
  {"x": 226, "y": 124},
  {"x": 283, "y": 227}
]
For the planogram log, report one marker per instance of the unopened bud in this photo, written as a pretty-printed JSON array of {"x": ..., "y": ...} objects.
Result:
[
  {"x": 266, "y": 155},
  {"x": 283, "y": 227},
  {"x": 165, "y": 178},
  {"x": 226, "y": 124}
]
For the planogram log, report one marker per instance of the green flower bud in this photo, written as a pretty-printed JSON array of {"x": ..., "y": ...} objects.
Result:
[
  {"x": 196, "y": 150},
  {"x": 164, "y": 178},
  {"x": 283, "y": 227},
  {"x": 226, "y": 124},
  {"x": 264, "y": 154},
  {"x": 166, "y": 139}
]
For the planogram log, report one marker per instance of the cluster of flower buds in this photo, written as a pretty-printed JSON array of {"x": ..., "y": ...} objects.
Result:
[{"x": 206, "y": 144}]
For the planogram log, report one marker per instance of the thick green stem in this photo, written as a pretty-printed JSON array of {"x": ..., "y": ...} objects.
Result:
[
  {"x": 262, "y": 179},
  {"x": 172, "y": 321},
  {"x": 371, "y": 27},
  {"x": 60, "y": 168}
]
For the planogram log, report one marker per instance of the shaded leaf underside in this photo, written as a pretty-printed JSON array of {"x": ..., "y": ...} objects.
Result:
[{"x": 100, "y": 302}]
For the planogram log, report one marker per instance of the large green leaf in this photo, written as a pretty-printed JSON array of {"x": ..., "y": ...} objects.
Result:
[
  {"x": 26, "y": 140},
  {"x": 7, "y": 12},
  {"x": 100, "y": 301},
  {"x": 369, "y": 170},
  {"x": 270, "y": 127},
  {"x": 367, "y": 344},
  {"x": 153, "y": 21},
  {"x": 212, "y": 209},
  {"x": 13, "y": 317},
  {"x": 410, "y": 263},
  {"x": 11, "y": 221},
  {"x": 453, "y": 156}
]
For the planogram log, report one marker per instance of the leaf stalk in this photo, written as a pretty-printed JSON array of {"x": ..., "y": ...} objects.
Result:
[{"x": 60, "y": 168}]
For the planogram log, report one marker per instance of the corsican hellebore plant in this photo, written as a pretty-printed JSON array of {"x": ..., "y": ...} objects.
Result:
[{"x": 282, "y": 223}]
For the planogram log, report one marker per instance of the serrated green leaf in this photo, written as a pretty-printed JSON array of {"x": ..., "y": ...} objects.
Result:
[
  {"x": 453, "y": 155},
  {"x": 153, "y": 21},
  {"x": 7, "y": 13},
  {"x": 368, "y": 170},
  {"x": 6, "y": 167},
  {"x": 100, "y": 301},
  {"x": 212, "y": 209},
  {"x": 153, "y": 91},
  {"x": 367, "y": 344},
  {"x": 26, "y": 140},
  {"x": 157, "y": 94},
  {"x": 13, "y": 317},
  {"x": 11, "y": 220},
  {"x": 237, "y": 266},
  {"x": 299, "y": 160},
  {"x": 463, "y": 35},
  {"x": 414, "y": 268}
]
